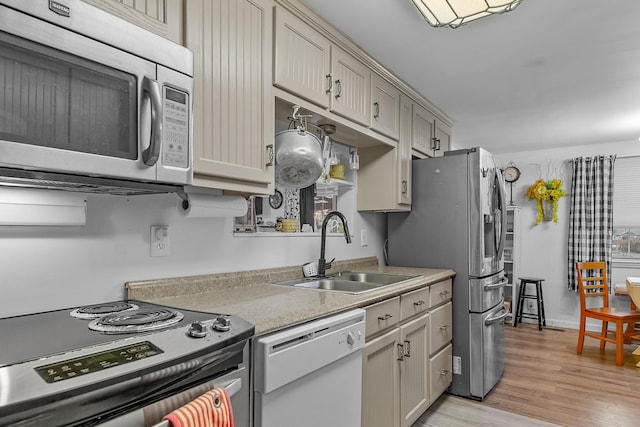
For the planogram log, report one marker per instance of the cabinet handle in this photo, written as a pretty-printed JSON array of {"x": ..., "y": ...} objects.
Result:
[
  {"x": 419, "y": 303},
  {"x": 339, "y": 86},
  {"x": 404, "y": 186},
  {"x": 377, "y": 113},
  {"x": 400, "y": 352},
  {"x": 444, "y": 293},
  {"x": 408, "y": 347},
  {"x": 433, "y": 143},
  {"x": 444, "y": 327},
  {"x": 328, "y": 76},
  {"x": 385, "y": 317},
  {"x": 444, "y": 372},
  {"x": 270, "y": 154},
  {"x": 437, "y": 144}
]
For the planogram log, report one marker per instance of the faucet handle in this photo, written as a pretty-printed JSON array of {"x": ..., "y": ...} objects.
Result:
[{"x": 328, "y": 263}]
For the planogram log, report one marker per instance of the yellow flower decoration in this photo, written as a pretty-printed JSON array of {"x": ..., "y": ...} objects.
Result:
[{"x": 549, "y": 190}]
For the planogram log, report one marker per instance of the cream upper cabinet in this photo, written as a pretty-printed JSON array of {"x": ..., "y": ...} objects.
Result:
[
  {"x": 302, "y": 59},
  {"x": 431, "y": 136},
  {"x": 385, "y": 107},
  {"x": 423, "y": 126},
  {"x": 442, "y": 138},
  {"x": 404, "y": 154},
  {"x": 163, "y": 17},
  {"x": 311, "y": 67},
  {"x": 233, "y": 100},
  {"x": 351, "y": 88},
  {"x": 384, "y": 178}
]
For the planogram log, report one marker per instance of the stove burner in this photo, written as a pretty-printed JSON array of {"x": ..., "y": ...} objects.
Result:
[
  {"x": 132, "y": 321},
  {"x": 99, "y": 310}
]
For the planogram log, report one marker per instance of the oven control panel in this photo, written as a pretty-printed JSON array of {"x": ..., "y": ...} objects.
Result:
[{"x": 97, "y": 362}]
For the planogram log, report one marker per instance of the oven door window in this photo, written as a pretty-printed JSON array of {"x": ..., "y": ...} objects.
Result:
[{"x": 54, "y": 99}]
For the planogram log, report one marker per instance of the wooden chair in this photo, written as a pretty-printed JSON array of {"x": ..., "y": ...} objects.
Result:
[{"x": 596, "y": 285}]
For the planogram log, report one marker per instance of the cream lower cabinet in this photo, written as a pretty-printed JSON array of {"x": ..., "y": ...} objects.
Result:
[
  {"x": 401, "y": 377},
  {"x": 234, "y": 104}
]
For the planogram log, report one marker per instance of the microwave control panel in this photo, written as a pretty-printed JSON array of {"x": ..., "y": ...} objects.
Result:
[{"x": 175, "y": 133}]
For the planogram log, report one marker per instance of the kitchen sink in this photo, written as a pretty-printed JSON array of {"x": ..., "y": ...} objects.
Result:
[{"x": 348, "y": 282}]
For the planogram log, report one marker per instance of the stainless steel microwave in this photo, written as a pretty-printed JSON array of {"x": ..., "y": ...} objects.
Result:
[{"x": 89, "y": 101}]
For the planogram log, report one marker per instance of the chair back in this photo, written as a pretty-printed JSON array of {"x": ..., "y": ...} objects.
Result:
[{"x": 594, "y": 283}]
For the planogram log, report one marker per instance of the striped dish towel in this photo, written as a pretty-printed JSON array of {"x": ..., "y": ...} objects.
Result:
[{"x": 212, "y": 409}]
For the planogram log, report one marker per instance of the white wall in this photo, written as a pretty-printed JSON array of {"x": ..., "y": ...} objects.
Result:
[
  {"x": 45, "y": 268},
  {"x": 544, "y": 247}
]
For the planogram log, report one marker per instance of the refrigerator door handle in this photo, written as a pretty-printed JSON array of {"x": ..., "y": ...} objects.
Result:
[
  {"x": 500, "y": 318},
  {"x": 493, "y": 286},
  {"x": 503, "y": 210}
]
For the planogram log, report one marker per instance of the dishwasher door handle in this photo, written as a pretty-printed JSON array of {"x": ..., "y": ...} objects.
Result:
[{"x": 232, "y": 388}]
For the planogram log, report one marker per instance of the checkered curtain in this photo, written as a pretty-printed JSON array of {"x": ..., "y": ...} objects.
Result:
[{"x": 591, "y": 214}]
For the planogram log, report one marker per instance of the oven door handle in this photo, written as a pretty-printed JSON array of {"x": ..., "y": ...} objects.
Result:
[{"x": 232, "y": 388}]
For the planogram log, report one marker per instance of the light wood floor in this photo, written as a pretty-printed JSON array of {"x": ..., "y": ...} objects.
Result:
[{"x": 546, "y": 381}]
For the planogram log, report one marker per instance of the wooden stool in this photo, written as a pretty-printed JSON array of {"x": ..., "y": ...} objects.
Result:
[{"x": 522, "y": 295}]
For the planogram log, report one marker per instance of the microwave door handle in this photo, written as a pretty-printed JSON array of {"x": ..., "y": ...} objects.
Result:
[{"x": 151, "y": 88}]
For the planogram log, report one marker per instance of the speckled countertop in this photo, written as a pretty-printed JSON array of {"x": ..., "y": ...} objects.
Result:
[{"x": 269, "y": 307}]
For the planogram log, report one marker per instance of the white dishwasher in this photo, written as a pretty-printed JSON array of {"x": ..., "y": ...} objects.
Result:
[{"x": 311, "y": 375}]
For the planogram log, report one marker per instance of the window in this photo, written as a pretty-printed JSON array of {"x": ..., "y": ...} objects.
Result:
[
  {"x": 626, "y": 243},
  {"x": 626, "y": 209}
]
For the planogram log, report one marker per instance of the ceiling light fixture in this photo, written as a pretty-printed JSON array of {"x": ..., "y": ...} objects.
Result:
[{"x": 453, "y": 13}]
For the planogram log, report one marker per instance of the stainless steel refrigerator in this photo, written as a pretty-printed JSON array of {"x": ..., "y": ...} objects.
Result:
[{"x": 457, "y": 221}]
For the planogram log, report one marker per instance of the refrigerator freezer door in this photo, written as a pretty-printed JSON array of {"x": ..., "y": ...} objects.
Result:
[
  {"x": 486, "y": 293},
  {"x": 487, "y": 350},
  {"x": 486, "y": 207}
]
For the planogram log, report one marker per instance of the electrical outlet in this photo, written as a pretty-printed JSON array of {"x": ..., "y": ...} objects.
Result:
[
  {"x": 159, "y": 240},
  {"x": 363, "y": 237}
]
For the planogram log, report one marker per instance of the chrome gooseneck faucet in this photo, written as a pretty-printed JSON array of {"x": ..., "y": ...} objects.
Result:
[{"x": 322, "y": 263}]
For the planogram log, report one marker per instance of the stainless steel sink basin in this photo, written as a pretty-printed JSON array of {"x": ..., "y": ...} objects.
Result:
[
  {"x": 348, "y": 282},
  {"x": 379, "y": 278}
]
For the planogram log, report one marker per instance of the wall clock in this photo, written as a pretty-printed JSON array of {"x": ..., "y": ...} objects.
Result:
[
  {"x": 511, "y": 174},
  {"x": 275, "y": 200}
]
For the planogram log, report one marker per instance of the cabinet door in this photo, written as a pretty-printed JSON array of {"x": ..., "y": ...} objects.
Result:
[
  {"x": 385, "y": 107},
  {"x": 381, "y": 381},
  {"x": 404, "y": 153},
  {"x": 234, "y": 104},
  {"x": 442, "y": 138},
  {"x": 351, "y": 90},
  {"x": 414, "y": 370},
  {"x": 302, "y": 59},
  {"x": 423, "y": 130},
  {"x": 163, "y": 17}
]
